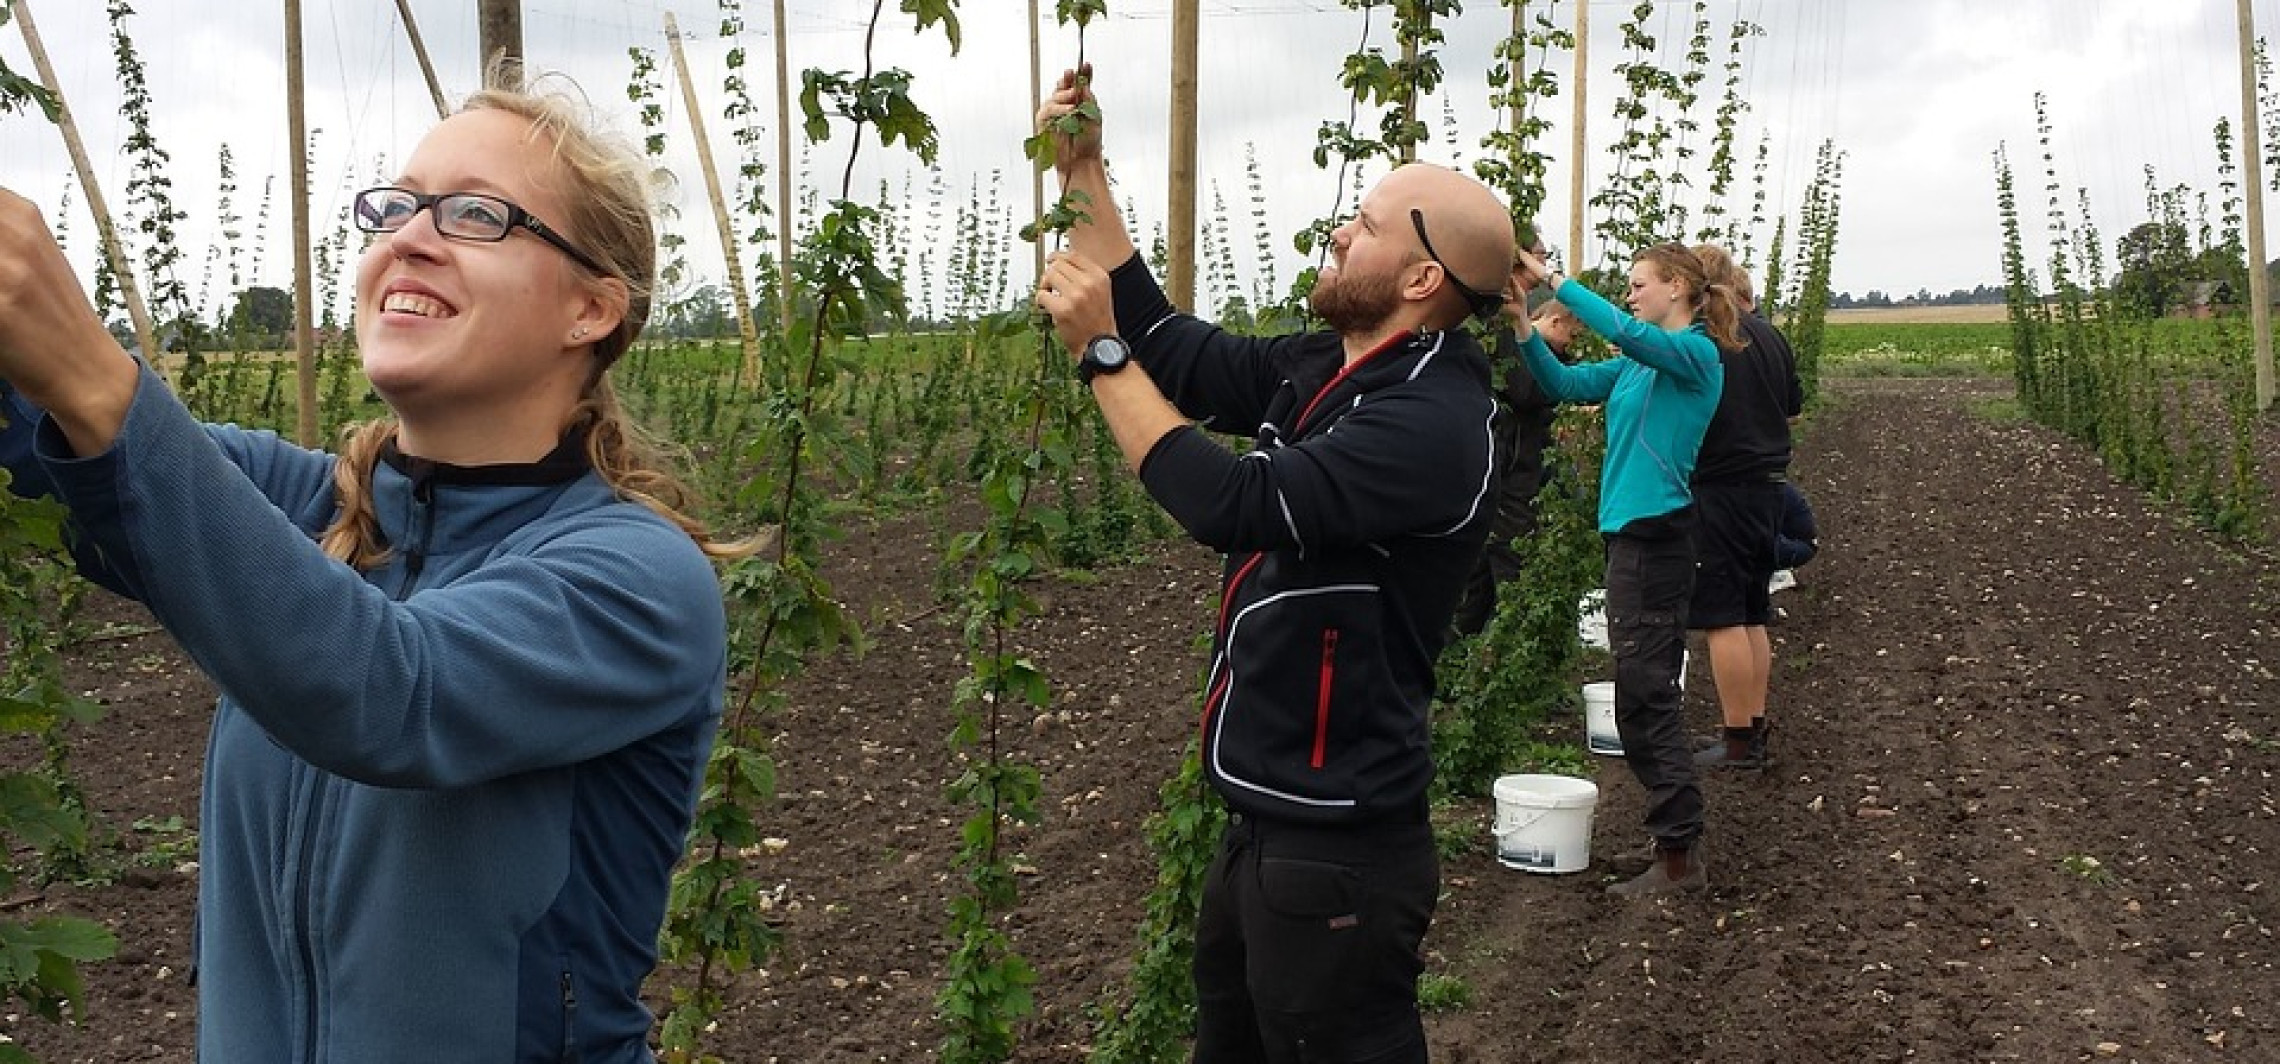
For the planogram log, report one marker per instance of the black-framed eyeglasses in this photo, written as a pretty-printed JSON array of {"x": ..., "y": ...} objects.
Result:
[
  {"x": 469, "y": 216},
  {"x": 1483, "y": 304}
]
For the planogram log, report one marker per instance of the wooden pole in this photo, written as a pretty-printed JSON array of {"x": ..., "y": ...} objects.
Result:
[
  {"x": 2252, "y": 156},
  {"x": 1578, "y": 118},
  {"x": 304, "y": 287},
  {"x": 145, "y": 335},
  {"x": 419, "y": 51},
  {"x": 1180, "y": 249},
  {"x": 746, "y": 333},
  {"x": 783, "y": 168},
  {"x": 1409, "y": 93},
  {"x": 1517, "y": 109},
  {"x": 1037, "y": 103},
  {"x": 500, "y": 26}
]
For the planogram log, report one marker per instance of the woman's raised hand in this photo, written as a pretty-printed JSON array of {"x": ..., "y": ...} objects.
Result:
[{"x": 53, "y": 347}]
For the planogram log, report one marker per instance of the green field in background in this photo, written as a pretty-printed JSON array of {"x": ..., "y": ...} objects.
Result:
[{"x": 2198, "y": 348}]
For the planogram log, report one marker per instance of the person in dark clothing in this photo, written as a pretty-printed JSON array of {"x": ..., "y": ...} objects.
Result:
[
  {"x": 1797, "y": 539},
  {"x": 1737, "y": 490},
  {"x": 1523, "y": 428},
  {"x": 1348, "y": 529}
]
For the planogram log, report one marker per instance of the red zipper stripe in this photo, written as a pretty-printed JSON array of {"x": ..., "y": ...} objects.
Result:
[{"x": 1322, "y": 695}]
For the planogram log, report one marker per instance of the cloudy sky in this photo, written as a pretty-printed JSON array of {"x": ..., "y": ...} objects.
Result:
[{"x": 1917, "y": 93}]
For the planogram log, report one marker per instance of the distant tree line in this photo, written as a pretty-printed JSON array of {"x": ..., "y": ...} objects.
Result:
[
  {"x": 1922, "y": 298},
  {"x": 2160, "y": 274}
]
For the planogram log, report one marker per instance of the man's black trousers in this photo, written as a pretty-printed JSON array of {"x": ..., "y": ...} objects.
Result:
[{"x": 1307, "y": 947}]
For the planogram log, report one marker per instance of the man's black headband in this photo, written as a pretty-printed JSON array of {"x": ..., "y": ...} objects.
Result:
[{"x": 1483, "y": 304}]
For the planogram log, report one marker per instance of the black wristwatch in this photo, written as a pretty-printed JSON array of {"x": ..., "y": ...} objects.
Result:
[{"x": 1103, "y": 354}]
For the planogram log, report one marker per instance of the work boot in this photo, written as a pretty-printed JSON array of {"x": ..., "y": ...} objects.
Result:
[
  {"x": 1739, "y": 748},
  {"x": 1633, "y": 861},
  {"x": 1673, "y": 872}
]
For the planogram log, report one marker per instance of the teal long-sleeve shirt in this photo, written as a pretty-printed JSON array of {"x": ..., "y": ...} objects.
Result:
[{"x": 1659, "y": 391}]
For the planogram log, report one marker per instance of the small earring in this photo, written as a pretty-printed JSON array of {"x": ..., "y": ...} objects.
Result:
[{"x": 579, "y": 334}]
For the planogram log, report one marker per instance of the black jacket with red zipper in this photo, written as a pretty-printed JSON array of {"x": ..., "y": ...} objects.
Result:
[{"x": 1349, "y": 528}]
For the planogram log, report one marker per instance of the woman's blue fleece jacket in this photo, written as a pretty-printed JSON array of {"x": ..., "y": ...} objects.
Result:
[
  {"x": 1659, "y": 391},
  {"x": 443, "y": 798}
]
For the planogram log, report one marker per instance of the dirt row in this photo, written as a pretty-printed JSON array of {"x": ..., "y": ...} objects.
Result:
[{"x": 2022, "y": 808}]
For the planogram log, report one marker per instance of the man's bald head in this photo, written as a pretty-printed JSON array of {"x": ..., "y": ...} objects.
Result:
[{"x": 1469, "y": 228}]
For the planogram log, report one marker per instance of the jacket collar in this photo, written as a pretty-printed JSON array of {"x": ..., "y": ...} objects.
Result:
[
  {"x": 1400, "y": 357},
  {"x": 566, "y": 462}
]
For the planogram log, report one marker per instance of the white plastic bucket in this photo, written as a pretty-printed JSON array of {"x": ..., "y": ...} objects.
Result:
[
  {"x": 1599, "y": 735},
  {"x": 1591, "y": 618},
  {"x": 1543, "y": 823}
]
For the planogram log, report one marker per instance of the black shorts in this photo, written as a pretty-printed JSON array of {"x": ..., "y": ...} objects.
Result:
[{"x": 1733, "y": 550}]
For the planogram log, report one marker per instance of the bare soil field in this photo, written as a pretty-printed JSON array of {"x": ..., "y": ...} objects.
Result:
[{"x": 2026, "y": 726}]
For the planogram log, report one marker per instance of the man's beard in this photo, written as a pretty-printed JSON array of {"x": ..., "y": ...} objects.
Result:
[{"x": 1352, "y": 304}]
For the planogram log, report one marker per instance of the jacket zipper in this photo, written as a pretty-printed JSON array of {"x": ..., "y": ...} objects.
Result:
[
  {"x": 1322, "y": 695},
  {"x": 423, "y": 519},
  {"x": 569, "y": 1019},
  {"x": 304, "y": 931},
  {"x": 423, "y": 498}
]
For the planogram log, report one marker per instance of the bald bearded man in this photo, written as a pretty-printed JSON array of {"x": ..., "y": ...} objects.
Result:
[{"x": 1348, "y": 527}]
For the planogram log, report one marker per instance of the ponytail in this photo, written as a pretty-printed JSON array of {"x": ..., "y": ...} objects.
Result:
[
  {"x": 1726, "y": 295},
  {"x": 632, "y": 463},
  {"x": 354, "y": 536},
  {"x": 1722, "y": 316}
]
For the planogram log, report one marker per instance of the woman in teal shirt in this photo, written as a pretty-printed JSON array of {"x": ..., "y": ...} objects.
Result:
[{"x": 1659, "y": 392}]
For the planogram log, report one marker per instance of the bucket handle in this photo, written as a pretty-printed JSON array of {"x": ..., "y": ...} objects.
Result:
[{"x": 1540, "y": 811}]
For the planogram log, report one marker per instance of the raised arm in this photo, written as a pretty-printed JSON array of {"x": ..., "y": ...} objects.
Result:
[
  {"x": 53, "y": 348},
  {"x": 1686, "y": 356}
]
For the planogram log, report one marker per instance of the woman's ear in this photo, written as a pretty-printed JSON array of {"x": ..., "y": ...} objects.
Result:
[{"x": 601, "y": 308}]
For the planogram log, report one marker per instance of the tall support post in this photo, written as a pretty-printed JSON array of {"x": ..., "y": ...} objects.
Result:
[
  {"x": 500, "y": 30},
  {"x": 1579, "y": 120},
  {"x": 1409, "y": 94},
  {"x": 1519, "y": 108},
  {"x": 304, "y": 286},
  {"x": 2252, "y": 157},
  {"x": 747, "y": 334},
  {"x": 1516, "y": 108},
  {"x": 1037, "y": 103},
  {"x": 783, "y": 167},
  {"x": 137, "y": 311},
  {"x": 1180, "y": 234},
  {"x": 420, "y": 52}
]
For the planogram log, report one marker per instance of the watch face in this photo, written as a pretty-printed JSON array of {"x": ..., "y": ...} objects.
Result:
[{"x": 1108, "y": 353}]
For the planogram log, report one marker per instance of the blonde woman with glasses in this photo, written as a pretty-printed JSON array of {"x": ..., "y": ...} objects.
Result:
[{"x": 470, "y": 667}]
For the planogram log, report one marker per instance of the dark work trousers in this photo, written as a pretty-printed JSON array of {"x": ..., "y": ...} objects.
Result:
[
  {"x": 1650, "y": 578},
  {"x": 1307, "y": 946}
]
